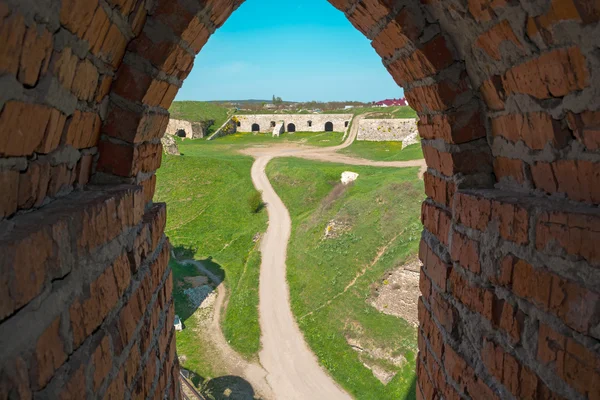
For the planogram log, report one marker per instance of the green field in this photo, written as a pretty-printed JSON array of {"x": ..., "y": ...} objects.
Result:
[
  {"x": 384, "y": 151},
  {"x": 382, "y": 112},
  {"x": 320, "y": 139},
  {"x": 198, "y": 111},
  {"x": 380, "y": 212},
  {"x": 209, "y": 219}
]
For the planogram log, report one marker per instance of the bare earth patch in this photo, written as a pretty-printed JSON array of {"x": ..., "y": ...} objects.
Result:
[{"x": 398, "y": 292}]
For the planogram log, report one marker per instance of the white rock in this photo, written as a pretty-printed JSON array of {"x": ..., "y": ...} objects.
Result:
[{"x": 348, "y": 177}]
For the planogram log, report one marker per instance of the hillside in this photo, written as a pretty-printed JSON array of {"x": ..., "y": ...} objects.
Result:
[{"x": 197, "y": 111}]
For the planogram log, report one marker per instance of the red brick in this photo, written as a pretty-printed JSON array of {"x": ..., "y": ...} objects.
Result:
[
  {"x": 97, "y": 30},
  {"x": 553, "y": 74},
  {"x": 134, "y": 127},
  {"x": 433, "y": 266},
  {"x": 466, "y": 161},
  {"x": 87, "y": 313},
  {"x": 475, "y": 298},
  {"x": 576, "y": 305},
  {"x": 586, "y": 128},
  {"x": 437, "y": 97},
  {"x": 465, "y": 251},
  {"x": 12, "y": 34},
  {"x": 428, "y": 60},
  {"x": 559, "y": 11},
  {"x": 102, "y": 362},
  {"x": 64, "y": 67},
  {"x": 149, "y": 187},
  {"x": 513, "y": 221},
  {"x": 23, "y": 273},
  {"x": 84, "y": 169},
  {"x": 35, "y": 55},
  {"x": 49, "y": 355},
  {"x": 493, "y": 93},
  {"x": 113, "y": 48},
  {"x": 578, "y": 366},
  {"x": 491, "y": 40},
  {"x": 14, "y": 378},
  {"x": 509, "y": 168},
  {"x": 484, "y": 10},
  {"x": 436, "y": 221},
  {"x": 9, "y": 182},
  {"x": 578, "y": 179},
  {"x": 85, "y": 81},
  {"x": 458, "y": 127},
  {"x": 82, "y": 130},
  {"x": 116, "y": 390},
  {"x": 75, "y": 388},
  {"x": 24, "y": 128},
  {"x": 76, "y": 16},
  {"x": 472, "y": 211},
  {"x": 132, "y": 364},
  {"x": 576, "y": 233},
  {"x": 125, "y": 160},
  {"x": 440, "y": 190},
  {"x": 535, "y": 129}
]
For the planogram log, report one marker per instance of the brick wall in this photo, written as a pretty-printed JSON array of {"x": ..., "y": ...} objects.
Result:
[{"x": 507, "y": 94}]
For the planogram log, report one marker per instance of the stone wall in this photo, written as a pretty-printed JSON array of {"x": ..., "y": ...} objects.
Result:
[
  {"x": 267, "y": 122},
  {"x": 191, "y": 130},
  {"x": 508, "y": 97},
  {"x": 380, "y": 130}
]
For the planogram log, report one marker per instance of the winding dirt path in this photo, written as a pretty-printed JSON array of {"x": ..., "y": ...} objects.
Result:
[{"x": 293, "y": 371}]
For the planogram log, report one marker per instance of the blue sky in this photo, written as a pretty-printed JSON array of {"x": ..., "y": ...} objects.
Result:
[{"x": 298, "y": 50}]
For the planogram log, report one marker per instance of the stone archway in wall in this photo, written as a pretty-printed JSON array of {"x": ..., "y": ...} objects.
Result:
[
  {"x": 507, "y": 95},
  {"x": 328, "y": 127},
  {"x": 291, "y": 128}
]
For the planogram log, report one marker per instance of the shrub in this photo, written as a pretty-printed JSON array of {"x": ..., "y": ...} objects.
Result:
[{"x": 255, "y": 202}]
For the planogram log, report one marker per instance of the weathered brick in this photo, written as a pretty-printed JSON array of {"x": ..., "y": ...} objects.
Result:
[
  {"x": 466, "y": 161},
  {"x": 440, "y": 190},
  {"x": 87, "y": 313},
  {"x": 102, "y": 362},
  {"x": 509, "y": 168},
  {"x": 75, "y": 387},
  {"x": 553, "y": 74},
  {"x": 12, "y": 34},
  {"x": 125, "y": 160},
  {"x": 77, "y": 16},
  {"x": 578, "y": 179},
  {"x": 493, "y": 93},
  {"x": 586, "y": 128},
  {"x": 472, "y": 211},
  {"x": 134, "y": 127},
  {"x": 457, "y": 127},
  {"x": 14, "y": 379},
  {"x": 433, "y": 266},
  {"x": 24, "y": 127},
  {"x": 49, "y": 355},
  {"x": 484, "y": 10},
  {"x": 575, "y": 233},
  {"x": 465, "y": 251},
  {"x": 35, "y": 55},
  {"x": 491, "y": 40},
  {"x": 113, "y": 47},
  {"x": 82, "y": 130},
  {"x": 535, "y": 129},
  {"x": 85, "y": 81},
  {"x": 9, "y": 182},
  {"x": 436, "y": 221}
]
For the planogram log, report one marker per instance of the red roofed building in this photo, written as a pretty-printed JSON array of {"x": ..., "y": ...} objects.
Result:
[{"x": 391, "y": 102}]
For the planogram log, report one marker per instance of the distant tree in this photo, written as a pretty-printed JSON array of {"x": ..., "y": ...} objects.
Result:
[{"x": 277, "y": 100}]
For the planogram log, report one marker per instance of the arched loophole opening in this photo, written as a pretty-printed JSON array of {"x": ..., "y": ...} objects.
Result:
[
  {"x": 309, "y": 124},
  {"x": 346, "y": 124},
  {"x": 255, "y": 128},
  {"x": 273, "y": 124},
  {"x": 329, "y": 127},
  {"x": 291, "y": 128},
  {"x": 181, "y": 133}
]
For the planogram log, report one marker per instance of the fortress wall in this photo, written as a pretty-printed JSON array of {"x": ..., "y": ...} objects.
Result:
[{"x": 300, "y": 120}]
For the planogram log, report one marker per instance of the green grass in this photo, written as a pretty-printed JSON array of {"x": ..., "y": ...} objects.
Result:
[
  {"x": 198, "y": 111},
  {"x": 321, "y": 139},
  {"x": 381, "y": 208},
  {"x": 206, "y": 190},
  {"x": 384, "y": 151},
  {"x": 382, "y": 112}
]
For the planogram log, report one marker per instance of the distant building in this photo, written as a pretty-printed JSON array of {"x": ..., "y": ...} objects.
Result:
[
  {"x": 270, "y": 106},
  {"x": 348, "y": 107},
  {"x": 391, "y": 103}
]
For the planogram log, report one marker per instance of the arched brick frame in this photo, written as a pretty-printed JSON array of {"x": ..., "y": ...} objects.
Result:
[{"x": 507, "y": 94}]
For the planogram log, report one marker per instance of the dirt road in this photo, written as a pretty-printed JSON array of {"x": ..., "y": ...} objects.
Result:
[{"x": 293, "y": 371}]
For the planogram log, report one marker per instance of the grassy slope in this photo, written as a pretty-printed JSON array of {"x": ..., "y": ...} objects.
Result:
[
  {"x": 206, "y": 191},
  {"x": 381, "y": 202},
  {"x": 197, "y": 111},
  {"x": 384, "y": 151},
  {"x": 383, "y": 112}
]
